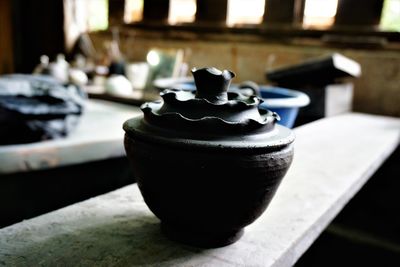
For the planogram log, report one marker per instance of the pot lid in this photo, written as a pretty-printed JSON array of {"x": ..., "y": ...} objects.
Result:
[{"x": 209, "y": 114}]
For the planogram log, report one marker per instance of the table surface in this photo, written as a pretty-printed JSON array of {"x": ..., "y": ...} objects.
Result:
[
  {"x": 334, "y": 157},
  {"x": 97, "y": 137}
]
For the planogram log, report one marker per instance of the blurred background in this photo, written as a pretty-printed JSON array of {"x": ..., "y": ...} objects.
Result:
[
  {"x": 248, "y": 37},
  {"x": 336, "y": 56}
]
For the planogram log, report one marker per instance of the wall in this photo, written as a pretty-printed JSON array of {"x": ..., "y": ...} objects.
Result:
[{"x": 377, "y": 91}]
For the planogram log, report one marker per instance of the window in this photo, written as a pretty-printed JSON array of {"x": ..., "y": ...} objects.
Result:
[
  {"x": 319, "y": 13},
  {"x": 294, "y": 18},
  {"x": 84, "y": 16},
  {"x": 245, "y": 12},
  {"x": 97, "y": 14},
  {"x": 391, "y": 15},
  {"x": 133, "y": 11},
  {"x": 181, "y": 11}
]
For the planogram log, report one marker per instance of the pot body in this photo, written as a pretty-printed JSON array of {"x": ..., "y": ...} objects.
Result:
[{"x": 206, "y": 196}]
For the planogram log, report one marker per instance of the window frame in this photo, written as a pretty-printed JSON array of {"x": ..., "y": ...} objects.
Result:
[{"x": 285, "y": 23}]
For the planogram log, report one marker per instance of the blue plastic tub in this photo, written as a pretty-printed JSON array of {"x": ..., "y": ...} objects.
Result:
[{"x": 285, "y": 102}]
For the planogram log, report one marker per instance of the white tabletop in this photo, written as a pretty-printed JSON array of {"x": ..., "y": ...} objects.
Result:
[
  {"x": 98, "y": 136},
  {"x": 333, "y": 158}
]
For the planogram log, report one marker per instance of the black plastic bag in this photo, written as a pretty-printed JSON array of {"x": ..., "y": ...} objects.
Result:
[{"x": 36, "y": 107}]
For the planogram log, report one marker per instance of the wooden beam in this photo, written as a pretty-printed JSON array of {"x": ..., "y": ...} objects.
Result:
[{"x": 6, "y": 39}]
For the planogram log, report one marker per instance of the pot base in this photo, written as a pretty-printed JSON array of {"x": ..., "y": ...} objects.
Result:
[{"x": 198, "y": 239}]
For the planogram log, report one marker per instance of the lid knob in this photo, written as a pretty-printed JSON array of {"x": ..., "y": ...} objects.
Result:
[{"x": 212, "y": 84}]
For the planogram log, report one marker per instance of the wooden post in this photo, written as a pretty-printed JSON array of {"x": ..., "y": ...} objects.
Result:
[
  {"x": 116, "y": 12},
  {"x": 283, "y": 12},
  {"x": 6, "y": 40},
  {"x": 299, "y": 11},
  {"x": 155, "y": 11},
  {"x": 211, "y": 11},
  {"x": 359, "y": 13}
]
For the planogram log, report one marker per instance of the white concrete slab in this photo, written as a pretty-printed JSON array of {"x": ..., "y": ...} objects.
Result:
[
  {"x": 333, "y": 159},
  {"x": 98, "y": 136}
]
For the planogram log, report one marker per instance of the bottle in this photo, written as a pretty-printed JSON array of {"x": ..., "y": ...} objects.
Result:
[
  {"x": 43, "y": 67},
  {"x": 59, "y": 69}
]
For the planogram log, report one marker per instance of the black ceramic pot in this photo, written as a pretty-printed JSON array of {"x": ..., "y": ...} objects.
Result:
[{"x": 207, "y": 163}]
